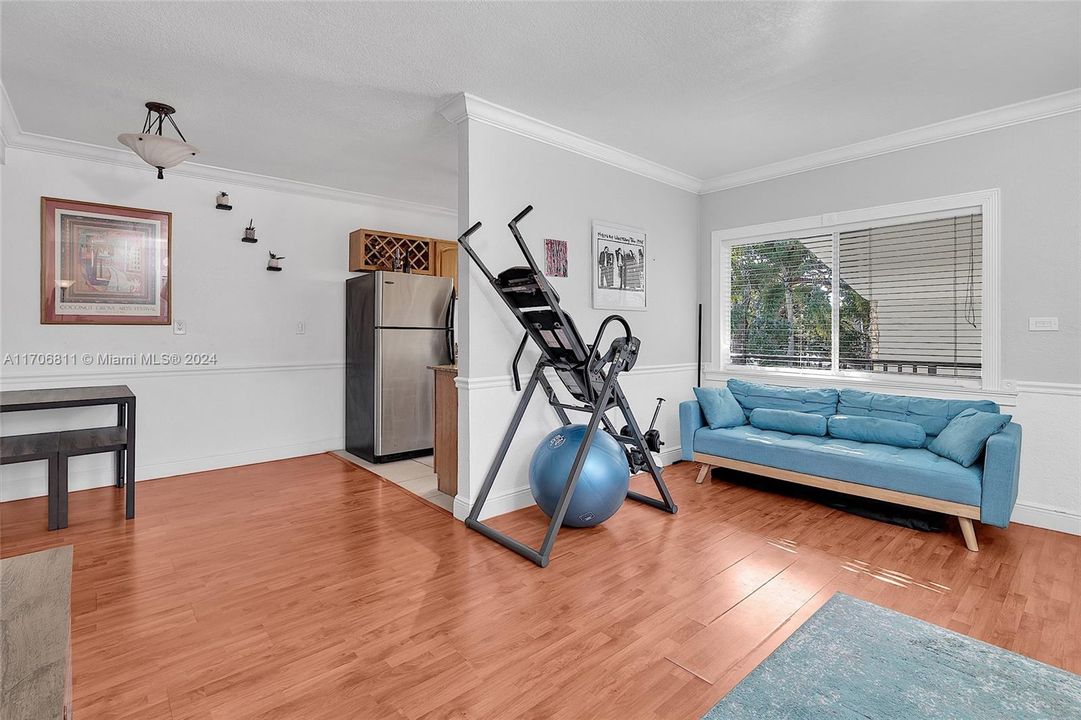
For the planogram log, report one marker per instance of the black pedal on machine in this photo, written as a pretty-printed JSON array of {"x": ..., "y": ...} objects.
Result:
[
  {"x": 652, "y": 438},
  {"x": 592, "y": 379}
]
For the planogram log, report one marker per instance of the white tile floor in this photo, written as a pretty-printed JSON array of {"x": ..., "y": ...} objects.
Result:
[{"x": 415, "y": 475}]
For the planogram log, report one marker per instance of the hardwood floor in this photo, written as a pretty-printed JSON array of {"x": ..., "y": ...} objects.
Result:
[{"x": 309, "y": 588}]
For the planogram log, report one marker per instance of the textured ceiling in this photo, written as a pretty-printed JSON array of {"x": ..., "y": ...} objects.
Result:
[{"x": 345, "y": 94}]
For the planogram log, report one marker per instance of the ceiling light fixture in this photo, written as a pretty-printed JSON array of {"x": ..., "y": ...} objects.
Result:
[{"x": 153, "y": 147}]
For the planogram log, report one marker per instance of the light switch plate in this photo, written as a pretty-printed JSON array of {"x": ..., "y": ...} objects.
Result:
[
  {"x": 180, "y": 327},
  {"x": 302, "y": 327},
  {"x": 1043, "y": 324}
]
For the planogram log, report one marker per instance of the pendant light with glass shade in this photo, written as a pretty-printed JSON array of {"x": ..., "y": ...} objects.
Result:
[{"x": 154, "y": 147}]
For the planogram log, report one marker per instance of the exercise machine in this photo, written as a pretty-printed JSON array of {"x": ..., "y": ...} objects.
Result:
[{"x": 591, "y": 378}]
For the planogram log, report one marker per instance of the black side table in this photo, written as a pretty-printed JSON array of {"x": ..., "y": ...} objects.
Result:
[{"x": 119, "y": 395}]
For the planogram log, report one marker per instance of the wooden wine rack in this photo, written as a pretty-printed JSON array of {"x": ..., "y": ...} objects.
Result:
[{"x": 371, "y": 250}]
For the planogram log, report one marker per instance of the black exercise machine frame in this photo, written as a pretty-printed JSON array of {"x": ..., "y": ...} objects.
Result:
[{"x": 582, "y": 370}]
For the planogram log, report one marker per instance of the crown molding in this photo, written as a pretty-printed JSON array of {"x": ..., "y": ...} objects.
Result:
[
  {"x": 464, "y": 106},
  {"x": 455, "y": 110},
  {"x": 1022, "y": 112},
  {"x": 223, "y": 176},
  {"x": 13, "y": 137},
  {"x": 9, "y": 123}
]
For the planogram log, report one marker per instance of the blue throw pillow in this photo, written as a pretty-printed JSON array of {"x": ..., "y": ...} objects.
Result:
[
  {"x": 751, "y": 396},
  {"x": 719, "y": 407},
  {"x": 789, "y": 421},
  {"x": 963, "y": 439},
  {"x": 877, "y": 430},
  {"x": 932, "y": 414}
]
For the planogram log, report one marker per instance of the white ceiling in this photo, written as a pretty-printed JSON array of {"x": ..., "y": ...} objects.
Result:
[{"x": 345, "y": 94}]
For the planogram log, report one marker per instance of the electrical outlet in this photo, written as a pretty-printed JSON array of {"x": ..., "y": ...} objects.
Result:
[
  {"x": 302, "y": 327},
  {"x": 1043, "y": 324},
  {"x": 180, "y": 327}
]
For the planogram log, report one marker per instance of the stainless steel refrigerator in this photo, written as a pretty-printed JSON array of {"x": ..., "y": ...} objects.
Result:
[{"x": 397, "y": 325}]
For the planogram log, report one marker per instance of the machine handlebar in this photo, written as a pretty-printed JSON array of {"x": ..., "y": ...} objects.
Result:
[
  {"x": 470, "y": 231},
  {"x": 594, "y": 352},
  {"x": 528, "y": 209}
]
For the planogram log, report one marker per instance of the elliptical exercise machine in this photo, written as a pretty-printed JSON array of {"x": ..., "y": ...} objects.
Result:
[{"x": 590, "y": 377}]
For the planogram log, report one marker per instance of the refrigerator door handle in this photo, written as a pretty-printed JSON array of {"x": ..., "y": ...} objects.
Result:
[{"x": 450, "y": 327}]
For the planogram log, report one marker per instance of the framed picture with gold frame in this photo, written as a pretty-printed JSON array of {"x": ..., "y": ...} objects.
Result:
[{"x": 105, "y": 264}]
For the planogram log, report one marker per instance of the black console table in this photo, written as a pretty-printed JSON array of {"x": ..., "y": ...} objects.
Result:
[{"x": 119, "y": 439}]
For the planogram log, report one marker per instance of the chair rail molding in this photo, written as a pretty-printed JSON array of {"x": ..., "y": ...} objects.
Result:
[
  {"x": 487, "y": 382},
  {"x": 125, "y": 372},
  {"x": 1049, "y": 388}
]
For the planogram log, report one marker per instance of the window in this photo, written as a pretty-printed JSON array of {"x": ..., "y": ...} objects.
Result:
[
  {"x": 910, "y": 298},
  {"x": 896, "y": 297},
  {"x": 781, "y": 312}
]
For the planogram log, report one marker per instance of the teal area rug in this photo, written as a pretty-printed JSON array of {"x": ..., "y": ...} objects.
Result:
[{"x": 856, "y": 660}]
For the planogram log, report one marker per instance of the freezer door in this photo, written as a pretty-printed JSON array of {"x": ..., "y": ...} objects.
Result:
[
  {"x": 404, "y": 388},
  {"x": 406, "y": 300}
]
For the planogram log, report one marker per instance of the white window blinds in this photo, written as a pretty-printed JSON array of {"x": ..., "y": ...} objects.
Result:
[{"x": 908, "y": 300}]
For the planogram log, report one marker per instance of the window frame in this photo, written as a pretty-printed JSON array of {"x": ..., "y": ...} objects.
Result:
[{"x": 985, "y": 202}]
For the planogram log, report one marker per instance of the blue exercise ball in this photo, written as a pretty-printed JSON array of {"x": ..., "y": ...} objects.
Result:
[{"x": 601, "y": 487}]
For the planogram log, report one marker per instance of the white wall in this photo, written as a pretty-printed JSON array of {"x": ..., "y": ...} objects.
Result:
[
  {"x": 273, "y": 393},
  {"x": 1036, "y": 167},
  {"x": 277, "y": 394},
  {"x": 500, "y": 173}
]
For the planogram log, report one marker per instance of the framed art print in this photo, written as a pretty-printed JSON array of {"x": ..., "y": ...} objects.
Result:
[
  {"x": 555, "y": 257},
  {"x": 619, "y": 267},
  {"x": 104, "y": 264}
]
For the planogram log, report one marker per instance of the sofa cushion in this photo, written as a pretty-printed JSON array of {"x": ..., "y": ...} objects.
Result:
[
  {"x": 789, "y": 421},
  {"x": 821, "y": 401},
  {"x": 932, "y": 414},
  {"x": 963, "y": 439},
  {"x": 916, "y": 471},
  {"x": 877, "y": 430},
  {"x": 719, "y": 407}
]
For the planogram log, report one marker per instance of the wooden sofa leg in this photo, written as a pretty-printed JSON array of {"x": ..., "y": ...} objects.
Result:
[
  {"x": 969, "y": 531},
  {"x": 703, "y": 473}
]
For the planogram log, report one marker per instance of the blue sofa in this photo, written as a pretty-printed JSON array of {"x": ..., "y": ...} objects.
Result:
[{"x": 912, "y": 476}]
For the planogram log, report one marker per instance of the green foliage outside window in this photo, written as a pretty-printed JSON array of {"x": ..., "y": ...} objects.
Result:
[{"x": 781, "y": 313}]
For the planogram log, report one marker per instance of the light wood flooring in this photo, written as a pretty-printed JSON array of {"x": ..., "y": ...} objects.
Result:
[{"x": 310, "y": 588}]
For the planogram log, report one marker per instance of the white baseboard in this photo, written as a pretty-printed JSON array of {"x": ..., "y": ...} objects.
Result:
[
  {"x": 523, "y": 497},
  {"x": 496, "y": 505},
  {"x": 100, "y": 475},
  {"x": 669, "y": 456},
  {"x": 1044, "y": 516}
]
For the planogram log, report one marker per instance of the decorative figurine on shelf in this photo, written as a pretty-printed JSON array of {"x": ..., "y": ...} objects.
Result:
[
  {"x": 249, "y": 232},
  {"x": 223, "y": 201},
  {"x": 275, "y": 262}
]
